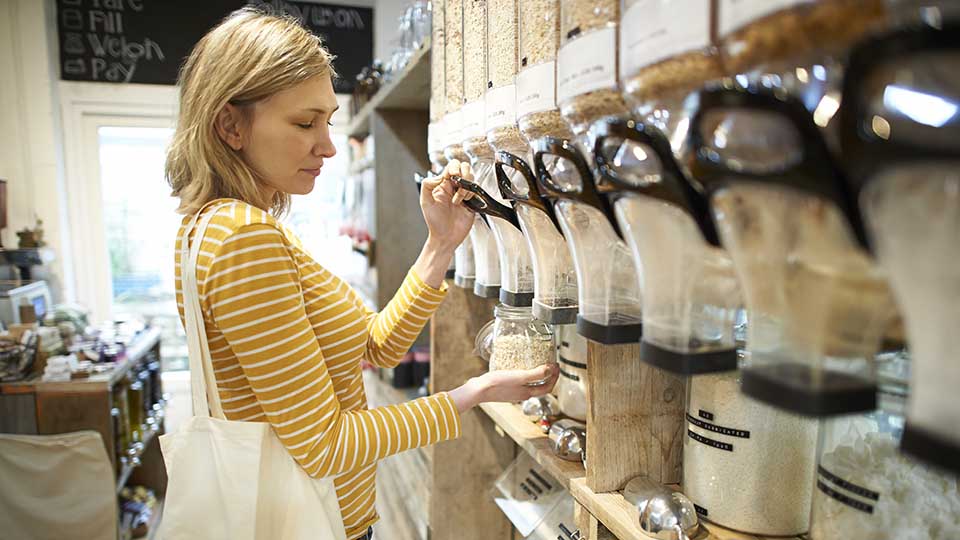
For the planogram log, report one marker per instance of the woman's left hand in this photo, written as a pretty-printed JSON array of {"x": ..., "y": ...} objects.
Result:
[{"x": 441, "y": 201}]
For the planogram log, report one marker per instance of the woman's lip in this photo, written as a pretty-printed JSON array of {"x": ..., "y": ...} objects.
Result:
[{"x": 314, "y": 172}]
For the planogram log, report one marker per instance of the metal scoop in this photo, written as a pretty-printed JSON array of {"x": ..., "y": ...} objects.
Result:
[{"x": 664, "y": 514}]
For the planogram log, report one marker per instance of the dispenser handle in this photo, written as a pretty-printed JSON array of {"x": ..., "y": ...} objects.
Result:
[
  {"x": 816, "y": 172},
  {"x": 533, "y": 197},
  {"x": 674, "y": 187},
  {"x": 587, "y": 193},
  {"x": 864, "y": 152},
  {"x": 484, "y": 204}
]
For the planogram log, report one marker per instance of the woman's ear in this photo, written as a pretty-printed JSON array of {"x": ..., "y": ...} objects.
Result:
[{"x": 229, "y": 126}]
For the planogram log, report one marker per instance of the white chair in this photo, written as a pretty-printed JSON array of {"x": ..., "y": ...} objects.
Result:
[{"x": 54, "y": 487}]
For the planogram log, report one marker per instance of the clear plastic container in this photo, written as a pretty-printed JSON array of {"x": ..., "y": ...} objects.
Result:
[
  {"x": 453, "y": 78},
  {"x": 665, "y": 54},
  {"x": 587, "y": 62},
  {"x": 537, "y": 112},
  {"x": 521, "y": 341},
  {"x": 438, "y": 92},
  {"x": 747, "y": 466},
  {"x": 475, "y": 79},
  {"x": 900, "y": 142},
  {"x": 608, "y": 286},
  {"x": 464, "y": 266},
  {"x": 516, "y": 265},
  {"x": 865, "y": 488},
  {"x": 819, "y": 308},
  {"x": 501, "y": 96},
  {"x": 571, "y": 386},
  {"x": 485, "y": 250},
  {"x": 554, "y": 276},
  {"x": 690, "y": 292}
]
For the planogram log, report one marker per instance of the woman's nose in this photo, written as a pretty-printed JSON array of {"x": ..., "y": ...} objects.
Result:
[{"x": 324, "y": 147}]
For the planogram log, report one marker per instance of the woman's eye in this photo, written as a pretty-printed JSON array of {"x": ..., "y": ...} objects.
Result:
[{"x": 308, "y": 125}]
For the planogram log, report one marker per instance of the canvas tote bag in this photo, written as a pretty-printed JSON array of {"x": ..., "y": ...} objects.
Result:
[{"x": 234, "y": 480}]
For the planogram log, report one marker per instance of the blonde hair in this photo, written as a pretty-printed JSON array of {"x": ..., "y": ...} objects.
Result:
[{"x": 249, "y": 56}]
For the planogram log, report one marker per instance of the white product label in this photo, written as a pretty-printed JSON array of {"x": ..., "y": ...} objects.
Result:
[
  {"x": 501, "y": 106},
  {"x": 435, "y": 136},
  {"x": 454, "y": 127},
  {"x": 587, "y": 63},
  {"x": 473, "y": 120},
  {"x": 736, "y": 13},
  {"x": 537, "y": 89},
  {"x": 653, "y": 30}
]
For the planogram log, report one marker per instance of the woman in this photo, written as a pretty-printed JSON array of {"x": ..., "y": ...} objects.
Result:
[{"x": 286, "y": 336}]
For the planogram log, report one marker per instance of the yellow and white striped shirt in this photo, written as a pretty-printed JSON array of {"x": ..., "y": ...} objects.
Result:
[{"x": 286, "y": 339}]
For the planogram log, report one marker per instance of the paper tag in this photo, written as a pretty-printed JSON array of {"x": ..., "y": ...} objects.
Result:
[
  {"x": 537, "y": 89},
  {"x": 652, "y": 30},
  {"x": 435, "y": 136},
  {"x": 472, "y": 120},
  {"x": 736, "y": 13},
  {"x": 587, "y": 63},
  {"x": 454, "y": 128},
  {"x": 501, "y": 106}
]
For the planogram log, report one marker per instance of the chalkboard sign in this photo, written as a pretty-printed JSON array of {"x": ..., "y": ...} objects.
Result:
[{"x": 146, "y": 41}]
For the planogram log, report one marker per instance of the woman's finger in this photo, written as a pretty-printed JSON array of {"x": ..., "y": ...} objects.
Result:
[
  {"x": 465, "y": 171},
  {"x": 452, "y": 169}
]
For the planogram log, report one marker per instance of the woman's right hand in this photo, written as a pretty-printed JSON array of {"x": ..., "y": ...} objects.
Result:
[{"x": 505, "y": 386}]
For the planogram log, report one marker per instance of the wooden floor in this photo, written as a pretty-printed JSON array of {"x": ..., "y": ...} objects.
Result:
[{"x": 401, "y": 479}]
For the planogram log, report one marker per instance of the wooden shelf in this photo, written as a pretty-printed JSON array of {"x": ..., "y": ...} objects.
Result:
[
  {"x": 409, "y": 90},
  {"x": 528, "y": 435},
  {"x": 622, "y": 519},
  {"x": 127, "y": 469}
]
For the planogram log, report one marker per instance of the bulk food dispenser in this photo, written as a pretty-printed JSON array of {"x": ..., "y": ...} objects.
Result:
[
  {"x": 502, "y": 134},
  {"x": 464, "y": 261},
  {"x": 607, "y": 278},
  {"x": 473, "y": 29},
  {"x": 818, "y": 307},
  {"x": 435, "y": 134},
  {"x": 900, "y": 133},
  {"x": 666, "y": 53},
  {"x": 691, "y": 306}
]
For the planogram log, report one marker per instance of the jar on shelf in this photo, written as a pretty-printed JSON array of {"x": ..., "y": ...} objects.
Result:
[
  {"x": 539, "y": 41},
  {"x": 135, "y": 398},
  {"x": 587, "y": 63},
  {"x": 866, "y": 488},
  {"x": 520, "y": 341},
  {"x": 571, "y": 386},
  {"x": 666, "y": 52}
]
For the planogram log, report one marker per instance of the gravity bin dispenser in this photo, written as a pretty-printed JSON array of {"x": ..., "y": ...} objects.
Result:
[{"x": 818, "y": 306}]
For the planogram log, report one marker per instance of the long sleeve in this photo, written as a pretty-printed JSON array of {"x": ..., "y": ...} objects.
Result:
[
  {"x": 394, "y": 329},
  {"x": 254, "y": 295}
]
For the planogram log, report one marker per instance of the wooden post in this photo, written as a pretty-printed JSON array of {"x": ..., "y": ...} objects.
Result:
[
  {"x": 463, "y": 471},
  {"x": 634, "y": 419}
]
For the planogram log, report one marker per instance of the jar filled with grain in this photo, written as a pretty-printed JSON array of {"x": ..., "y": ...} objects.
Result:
[
  {"x": 666, "y": 52},
  {"x": 537, "y": 112},
  {"x": 746, "y": 465},
  {"x": 521, "y": 341},
  {"x": 796, "y": 45},
  {"x": 501, "y": 96},
  {"x": 453, "y": 79},
  {"x": 474, "y": 25},
  {"x": 587, "y": 63}
]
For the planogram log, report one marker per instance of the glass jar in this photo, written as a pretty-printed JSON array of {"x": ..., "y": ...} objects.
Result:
[
  {"x": 537, "y": 112},
  {"x": 746, "y": 465},
  {"x": 587, "y": 62},
  {"x": 135, "y": 398},
  {"x": 866, "y": 489},
  {"x": 125, "y": 438},
  {"x": 666, "y": 52},
  {"x": 571, "y": 386},
  {"x": 521, "y": 341}
]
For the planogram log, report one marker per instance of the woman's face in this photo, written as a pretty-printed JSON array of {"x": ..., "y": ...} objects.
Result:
[{"x": 288, "y": 136}]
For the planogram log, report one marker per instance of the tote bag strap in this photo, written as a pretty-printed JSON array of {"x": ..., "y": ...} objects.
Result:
[{"x": 203, "y": 384}]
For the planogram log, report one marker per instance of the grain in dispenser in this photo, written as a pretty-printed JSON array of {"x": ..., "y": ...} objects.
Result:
[
  {"x": 537, "y": 112},
  {"x": 666, "y": 52},
  {"x": 587, "y": 63},
  {"x": 818, "y": 306},
  {"x": 900, "y": 134},
  {"x": 453, "y": 79},
  {"x": 501, "y": 96}
]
